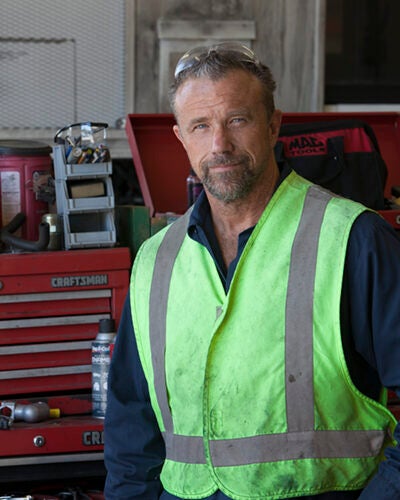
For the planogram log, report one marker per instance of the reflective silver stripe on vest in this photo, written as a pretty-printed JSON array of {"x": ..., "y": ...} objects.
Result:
[
  {"x": 163, "y": 266},
  {"x": 299, "y": 314},
  {"x": 187, "y": 449},
  {"x": 295, "y": 445},
  {"x": 301, "y": 440},
  {"x": 275, "y": 447}
]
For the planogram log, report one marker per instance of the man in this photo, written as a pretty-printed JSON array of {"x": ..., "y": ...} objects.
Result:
[{"x": 260, "y": 326}]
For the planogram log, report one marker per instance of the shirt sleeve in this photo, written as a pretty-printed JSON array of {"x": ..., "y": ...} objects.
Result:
[
  {"x": 373, "y": 273},
  {"x": 134, "y": 449}
]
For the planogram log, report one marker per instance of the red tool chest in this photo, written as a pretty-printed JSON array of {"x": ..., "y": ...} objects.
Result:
[
  {"x": 162, "y": 166},
  {"x": 50, "y": 307}
]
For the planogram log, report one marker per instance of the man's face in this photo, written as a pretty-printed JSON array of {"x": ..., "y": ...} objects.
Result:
[{"x": 224, "y": 127}]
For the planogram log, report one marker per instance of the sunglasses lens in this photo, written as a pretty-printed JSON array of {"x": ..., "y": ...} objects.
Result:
[
  {"x": 189, "y": 58},
  {"x": 194, "y": 55}
]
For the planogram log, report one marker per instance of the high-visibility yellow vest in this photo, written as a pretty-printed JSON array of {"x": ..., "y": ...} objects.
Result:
[{"x": 251, "y": 388}]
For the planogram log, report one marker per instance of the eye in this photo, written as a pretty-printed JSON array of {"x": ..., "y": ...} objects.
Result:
[
  {"x": 237, "y": 120},
  {"x": 200, "y": 126}
]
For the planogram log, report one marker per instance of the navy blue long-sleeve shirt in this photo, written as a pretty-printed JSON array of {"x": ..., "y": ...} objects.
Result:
[{"x": 370, "y": 320}]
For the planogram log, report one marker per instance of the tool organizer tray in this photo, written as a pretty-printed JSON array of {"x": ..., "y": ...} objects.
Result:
[{"x": 88, "y": 221}]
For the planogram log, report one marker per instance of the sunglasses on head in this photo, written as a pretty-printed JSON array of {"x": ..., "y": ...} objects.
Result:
[{"x": 194, "y": 55}]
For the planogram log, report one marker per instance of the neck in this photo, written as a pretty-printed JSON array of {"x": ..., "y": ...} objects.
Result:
[{"x": 230, "y": 219}]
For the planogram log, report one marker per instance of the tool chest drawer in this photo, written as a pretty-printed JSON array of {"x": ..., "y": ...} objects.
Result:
[
  {"x": 45, "y": 438},
  {"x": 50, "y": 307},
  {"x": 55, "y": 304},
  {"x": 75, "y": 437}
]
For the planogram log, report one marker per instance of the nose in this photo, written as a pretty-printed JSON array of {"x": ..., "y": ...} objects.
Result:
[{"x": 221, "y": 140}]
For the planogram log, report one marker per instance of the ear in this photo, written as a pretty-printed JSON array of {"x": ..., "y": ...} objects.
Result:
[
  {"x": 275, "y": 125},
  {"x": 177, "y": 132}
]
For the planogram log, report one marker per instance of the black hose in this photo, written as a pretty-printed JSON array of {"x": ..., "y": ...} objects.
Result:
[
  {"x": 15, "y": 223},
  {"x": 31, "y": 246}
]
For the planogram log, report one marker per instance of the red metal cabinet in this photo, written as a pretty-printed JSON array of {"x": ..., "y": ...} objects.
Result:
[{"x": 50, "y": 307}]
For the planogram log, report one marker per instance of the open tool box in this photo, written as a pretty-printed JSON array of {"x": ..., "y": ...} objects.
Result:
[
  {"x": 162, "y": 166},
  {"x": 50, "y": 307}
]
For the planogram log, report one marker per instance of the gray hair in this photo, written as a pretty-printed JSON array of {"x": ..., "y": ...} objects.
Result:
[{"x": 215, "y": 62}]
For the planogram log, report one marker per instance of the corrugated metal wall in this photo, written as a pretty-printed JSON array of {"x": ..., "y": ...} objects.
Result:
[{"x": 61, "y": 61}]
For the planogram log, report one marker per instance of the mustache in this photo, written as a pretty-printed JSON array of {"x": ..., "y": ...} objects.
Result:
[{"x": 224, "y": 159}]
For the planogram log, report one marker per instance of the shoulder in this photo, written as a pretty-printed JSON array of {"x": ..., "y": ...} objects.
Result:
[
  {"x": 374, "y": 239},
  {"x": 372, "y": 227}
]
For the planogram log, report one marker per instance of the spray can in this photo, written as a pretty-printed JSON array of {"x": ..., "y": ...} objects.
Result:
[
  {"x": 101, "y": 358},
  {"x": 194, "y": 187}
]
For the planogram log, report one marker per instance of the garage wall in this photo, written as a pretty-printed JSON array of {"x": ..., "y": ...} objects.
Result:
[
  {"x": 287, "y": 34},
  {"x": 64, "y": 61}
]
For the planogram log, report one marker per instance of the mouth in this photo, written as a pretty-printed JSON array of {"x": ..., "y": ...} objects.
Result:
[
  {"x": 224, "y": 163},
  {"x": 223, "y": 167}
]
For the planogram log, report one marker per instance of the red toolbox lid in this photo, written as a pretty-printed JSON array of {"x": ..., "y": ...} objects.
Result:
[
  {"x": 162, "y": 166},
  {"x": 160, "y": 162}
]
